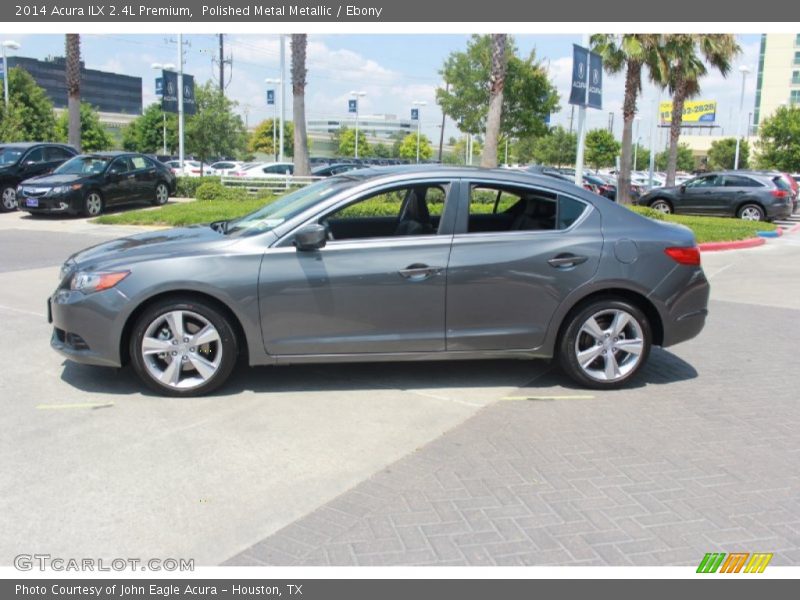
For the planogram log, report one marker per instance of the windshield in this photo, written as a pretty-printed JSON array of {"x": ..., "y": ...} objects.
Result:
[
  {"x": 83, "y": 165},
  {"x": 10, "y": 155},
  {"x": 287, "y": 207}
]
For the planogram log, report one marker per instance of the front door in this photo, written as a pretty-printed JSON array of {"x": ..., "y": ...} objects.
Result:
[
  {"x": 377, "y": 286},
  {"x": 701, "y": 194}
]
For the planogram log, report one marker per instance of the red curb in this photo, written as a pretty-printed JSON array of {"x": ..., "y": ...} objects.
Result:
[{"x": 738, "y": 244}]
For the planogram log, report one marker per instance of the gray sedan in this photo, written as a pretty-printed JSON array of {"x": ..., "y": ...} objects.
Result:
[{"x": 389, "y": 264}]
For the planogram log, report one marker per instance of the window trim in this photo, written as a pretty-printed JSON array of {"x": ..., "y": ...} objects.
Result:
[{"x": 461, "y": 229}]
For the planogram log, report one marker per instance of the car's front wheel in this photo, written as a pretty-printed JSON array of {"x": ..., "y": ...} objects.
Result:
[
  {"x": 751, "y": 212},
  {"x": 661, "y": 205},
  {"x": 92, "y": 204},
  {"x": 9, "y": 198},
  {"x": 605, "y": 343},
  {"x": 183, "y": 347}
]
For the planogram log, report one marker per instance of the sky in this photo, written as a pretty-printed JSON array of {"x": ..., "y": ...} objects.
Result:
[{"x": 394, "y": 71}]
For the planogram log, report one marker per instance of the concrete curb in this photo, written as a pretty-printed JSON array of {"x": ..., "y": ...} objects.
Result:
[{"x": 737, "y": 245}]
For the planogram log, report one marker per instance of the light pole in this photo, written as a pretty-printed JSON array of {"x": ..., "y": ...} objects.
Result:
[
  {"x": 165, "y": 67},
  {"x": 744, "y": 70},
  {"x": 274, "y": 117},
  {"x": 282, "y": 85},
  {"x": 11, "y": 45},
  {"x": 357, "y": 95},
  {"x": 419, "y": 103},
  {"x": 636, "y": 121}
]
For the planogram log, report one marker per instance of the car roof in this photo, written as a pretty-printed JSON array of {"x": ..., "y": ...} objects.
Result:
[{"x": 32, "y": 144}]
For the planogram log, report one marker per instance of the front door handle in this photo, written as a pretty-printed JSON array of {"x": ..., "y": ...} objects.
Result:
[
  {"x": 419, "y": 272},
  {"x": 566, "y": 261}
]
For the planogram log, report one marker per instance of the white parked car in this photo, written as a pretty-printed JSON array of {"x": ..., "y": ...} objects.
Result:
[
  {"x": 224, "y": 167},
  {"x": 270, "y": 170},
  {"x": 191, "y": 168}
]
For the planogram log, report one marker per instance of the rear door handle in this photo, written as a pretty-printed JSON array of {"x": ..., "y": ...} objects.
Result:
[
  {"x": 565, "y": 261},
  {"x": 419, "y": 272}
]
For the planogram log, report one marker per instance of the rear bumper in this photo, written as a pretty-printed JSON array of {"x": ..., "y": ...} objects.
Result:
[{"x": 687, "y": 312}]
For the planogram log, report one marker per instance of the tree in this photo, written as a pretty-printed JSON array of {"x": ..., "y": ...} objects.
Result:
[
  {"x": 722, "y": 154},
  {"x": 497, "y": 80},
  {"x": 558, "y": 147},
  {"x": 687, "y": 55},
  {"x": 146, "y": 132},
  {"x": 528, "y": 95},
  {"x": 408, "y": 147},
  {"x": 460, "y": 149},
  {"x": 684, "y": 159},
  {"x": 779, "y": 140},
  {"x": 631, "y": 53},
  {"x": 261, "y": 139},
  {"x": 30, "y": 111},
  {"x": 299, "y": 45},
  {"x": 601, "y": 148},
  {"x": 93, "y": 135},
  {"x": 642, "y": 155},
  {"x": 381, "y": 151},
  {"x": 347, "y": 142},
  {"x": 73, "y": 76},
  {"x": 215, "y": 129}
]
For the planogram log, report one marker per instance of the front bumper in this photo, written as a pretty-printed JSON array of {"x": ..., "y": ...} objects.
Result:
[
  {"x": 56, "y": 204},
  {"x": 85, "y": 326}
]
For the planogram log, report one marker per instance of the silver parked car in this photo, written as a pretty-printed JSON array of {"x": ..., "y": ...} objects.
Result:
[{"x": 387, "y": 264}]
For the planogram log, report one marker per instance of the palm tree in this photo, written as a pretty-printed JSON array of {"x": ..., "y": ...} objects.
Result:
[
  {"x": 299, "y": 45},
  {"x": 631, "y": 53},
  {"x": 687, "y": 55},
  {"x": 73, "y": 72},
  {"x": 497, "y": 82}
]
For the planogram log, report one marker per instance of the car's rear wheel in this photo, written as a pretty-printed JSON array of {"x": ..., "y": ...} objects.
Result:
[
  {"x": 661, "y": 205},
  {"x": 605, "y": 343},
  {"x": 92, "y": 204},
  {"x": 161, "y": 194},
  {"x": 751, "y": 212},
  {"x": 9, "y": 198},
  {"x": 182, "y": 347}
]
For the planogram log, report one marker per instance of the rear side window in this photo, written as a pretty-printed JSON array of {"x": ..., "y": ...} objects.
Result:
[{"x": 740, "y": 181}]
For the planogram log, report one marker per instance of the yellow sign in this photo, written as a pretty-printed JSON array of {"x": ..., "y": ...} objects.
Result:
[{"x": 694, "y": 111}]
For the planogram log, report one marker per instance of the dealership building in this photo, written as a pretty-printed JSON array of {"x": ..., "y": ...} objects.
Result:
[
  {"x": 778, "y": 78},
  {"x": 117, "y": 98}
]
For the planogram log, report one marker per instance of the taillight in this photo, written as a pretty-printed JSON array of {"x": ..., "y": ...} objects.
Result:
[
  {"x": 780, "y": 193},
  {"x": 684, "y": 256}
]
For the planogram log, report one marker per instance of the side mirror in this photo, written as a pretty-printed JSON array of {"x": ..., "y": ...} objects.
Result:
[
  {"x": 683, "y": 188},
  {"x": 311, "y": 237}
]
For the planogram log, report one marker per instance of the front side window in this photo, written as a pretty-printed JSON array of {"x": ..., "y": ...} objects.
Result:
[
  {"x": 410, "y": 210},
  {"x": 139, "y": 162},
  {"x": 707, "y": 181},
  {"x": 35, "y": 156},
  {"x": 120, "y": 165}
]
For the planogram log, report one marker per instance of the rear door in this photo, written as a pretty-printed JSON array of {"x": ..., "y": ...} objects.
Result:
[
  {"x": 738, "y": 190},
  {"x": 518, "y": 251}
]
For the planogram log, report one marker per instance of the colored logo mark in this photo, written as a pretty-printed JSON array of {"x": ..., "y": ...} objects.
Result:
[{"x": 736, "y": 562}]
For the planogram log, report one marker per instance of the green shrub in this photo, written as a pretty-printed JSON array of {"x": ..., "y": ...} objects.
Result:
[
  {"x": 648, "y": 212},
  {"x": 187, "y": 186}
]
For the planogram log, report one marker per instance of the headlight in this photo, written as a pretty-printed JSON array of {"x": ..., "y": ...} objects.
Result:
[
  {"x": 96, "y": 281},
  {"x": 64, "y": 189}
]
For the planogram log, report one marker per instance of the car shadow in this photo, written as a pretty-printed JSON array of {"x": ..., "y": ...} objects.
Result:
[{"x": 663, "y": 367}]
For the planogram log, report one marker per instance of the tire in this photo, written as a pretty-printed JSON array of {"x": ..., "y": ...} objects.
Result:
[
  {"x": 662, "y": 206},
  {"x": 93, "y": 204},
  {"x": 596, "y": 345},
  {"x": 183, "y": 365},
  {"x": 161, "y": 194},
  {"x": 8, "y": 198},
  {"x": 751, "y": 212}
]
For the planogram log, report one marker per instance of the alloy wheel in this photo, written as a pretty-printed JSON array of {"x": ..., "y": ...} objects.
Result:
[
  {"x": 751, "y": 213},
  {"x": 162, "y": 194},
  {"x": 609, "y": 345},
  {"x": 9, "y": 198},
  {"x": 94, "y": 204},
  {"x": 661, "y": 206},
  {"x": 181, "y": 349}
]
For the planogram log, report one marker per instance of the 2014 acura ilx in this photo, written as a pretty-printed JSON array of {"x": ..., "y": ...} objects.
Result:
[{"x": 386, "y": 264}]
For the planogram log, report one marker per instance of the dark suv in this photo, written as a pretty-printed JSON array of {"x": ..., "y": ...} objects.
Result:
[
  {"x": 23, "y": 160},
  {"x": 749, "y": 195}
]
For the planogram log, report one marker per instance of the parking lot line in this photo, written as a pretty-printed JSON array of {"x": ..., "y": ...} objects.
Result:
[
  {"x": 91, "y": 405},
  {"x": 573, "y": 397}
]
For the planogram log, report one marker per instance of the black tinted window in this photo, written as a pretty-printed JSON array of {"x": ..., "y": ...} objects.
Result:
[
  {"x": 569, "y": 210},
  {"x": 35, "y": 156},
  {"x": 740, "y": 181},
  {"x": 121, "y": 165},
  {"x": 54, "y": 153}
]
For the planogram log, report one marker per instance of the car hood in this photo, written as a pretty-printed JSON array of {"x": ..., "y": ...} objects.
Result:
[
  {"x": 183, "y": 241},
  {"x": 54, "y": 180}
]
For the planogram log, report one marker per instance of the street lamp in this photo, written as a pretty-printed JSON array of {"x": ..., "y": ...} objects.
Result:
[
  {"x": 164, "y": 67},
  {"x": 636, "y": 121},
  {"x": 11, "y": 45},
  {"x": 274, "y": 116},
  {"x": 744, "y": 70},
  {"x": 357, "y": 95},
  {"x": 419, "y": 103}
]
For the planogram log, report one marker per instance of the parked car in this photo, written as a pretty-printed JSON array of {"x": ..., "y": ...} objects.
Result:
[
  {"x": 20, "y": 161},
  {"x": 89, "y": 183},
  {"x": 191, "y": 168},
  {"x": 749, "y": 195},
  {"x": 334, "y": 169},
  {"x": 312, "y": 277},
  {"x": 224, "y": 167},
  {"x": 272, "y": 170}
]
